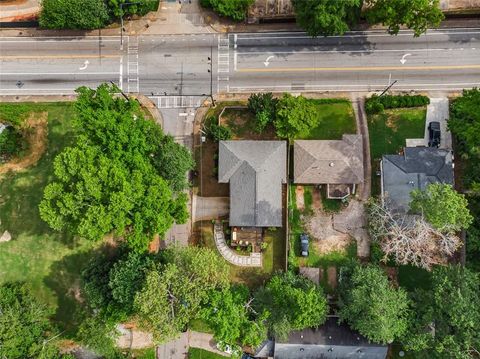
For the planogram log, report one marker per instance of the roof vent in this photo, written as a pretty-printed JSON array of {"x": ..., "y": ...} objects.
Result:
[
  {"x": 331, "y": 164},
  {"x": 301, "y": 349}
]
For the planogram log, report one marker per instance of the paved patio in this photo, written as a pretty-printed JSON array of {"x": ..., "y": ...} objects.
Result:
[{"x": 253, "y": 260}]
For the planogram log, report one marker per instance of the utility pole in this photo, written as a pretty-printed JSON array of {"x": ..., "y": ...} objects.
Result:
[
  {"x": 388, "y": 88},
  {"x": 121, "y": 19},
  {"x": 210, "y": 59}
]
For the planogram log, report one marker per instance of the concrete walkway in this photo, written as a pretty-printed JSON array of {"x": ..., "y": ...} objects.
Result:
[
  {"x": 359, "y": 230},
  {"x": 253, "y": 260}
]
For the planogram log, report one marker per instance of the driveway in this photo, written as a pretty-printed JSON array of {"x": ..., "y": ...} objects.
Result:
[
  {"x": 205, "y": 208},
  {"x": 437, "y": 110}
]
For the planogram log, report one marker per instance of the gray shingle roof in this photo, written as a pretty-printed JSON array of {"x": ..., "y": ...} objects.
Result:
[
  {"x": 415, "y": 169},
  {"x": 329, "y": 161},
  {"x": 256, "y": 171},
  {"x": 330, "y": 341}
]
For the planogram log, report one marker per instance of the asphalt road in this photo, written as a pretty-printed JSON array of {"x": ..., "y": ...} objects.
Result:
[{"x": 179, "y": 65}]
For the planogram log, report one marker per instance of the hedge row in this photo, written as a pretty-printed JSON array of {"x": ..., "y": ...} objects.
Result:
[{"x": 376, "y": 104}]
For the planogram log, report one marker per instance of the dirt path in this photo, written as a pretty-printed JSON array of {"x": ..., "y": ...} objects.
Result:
[{"x": 36, "y": 136}]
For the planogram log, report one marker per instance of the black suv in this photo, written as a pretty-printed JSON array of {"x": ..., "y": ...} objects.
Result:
[{"x": 434, "y": 134}]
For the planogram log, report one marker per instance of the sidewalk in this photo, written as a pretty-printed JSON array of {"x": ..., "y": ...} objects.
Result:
[{"x": 19, "y": 10}]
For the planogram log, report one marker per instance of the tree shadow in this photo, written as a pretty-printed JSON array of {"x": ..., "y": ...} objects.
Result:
[{"x": 64, "y": 280}]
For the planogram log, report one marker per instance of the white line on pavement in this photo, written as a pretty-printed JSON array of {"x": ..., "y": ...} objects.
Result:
[
  {"x": 345, "y": 51},
  {"x": 121, "y": 74}
]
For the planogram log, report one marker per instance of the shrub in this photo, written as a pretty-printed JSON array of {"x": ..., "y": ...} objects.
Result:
[
  {"x": 376, "y": 104},
  {"x": 234, "y": 9},
  {"x": 10, "y": 142},
  {"x": 73, "y": 14},
  {"x": 219, "y": 132}
]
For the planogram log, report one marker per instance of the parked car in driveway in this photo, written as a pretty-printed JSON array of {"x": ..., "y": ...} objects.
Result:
[
  {"x": 304, "y": 244},
  {"x": 434, "y": 134}
]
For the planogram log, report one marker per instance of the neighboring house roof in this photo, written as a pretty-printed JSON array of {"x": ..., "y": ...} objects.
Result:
[
  {"x": 256, "y": 171},
  {"x": 329, "y": 162},
  {"x": 415, "y": 169},
  {"x": 330, "y": 341}
]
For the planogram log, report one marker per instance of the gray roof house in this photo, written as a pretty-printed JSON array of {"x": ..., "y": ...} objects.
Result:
[
  {"x": 415, "y": 169},
  {"x": 256, "y": 171},
  {"x": 330, "y": 341},
  {"x": 331, "y": 162}
]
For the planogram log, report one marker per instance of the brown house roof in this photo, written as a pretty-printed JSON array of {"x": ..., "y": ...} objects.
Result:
[{"x": 329, "y": 162}]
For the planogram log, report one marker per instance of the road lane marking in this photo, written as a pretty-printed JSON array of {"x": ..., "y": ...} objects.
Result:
[
  {"x": 343, "y": 51},
  {"x": 50, "y": 57},
  {"x": 358, "y": 68}
]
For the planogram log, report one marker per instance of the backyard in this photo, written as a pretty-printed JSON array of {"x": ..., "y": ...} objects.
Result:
[
  {"x": 388, "y": 132},
  {"x": 273, "y": 256},
  {"x": 49, "y": 261}
]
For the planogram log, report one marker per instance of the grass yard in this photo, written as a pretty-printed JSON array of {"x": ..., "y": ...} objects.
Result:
[
  {"x": 273, "y": 256},
  {"x": 334, "y": 119},
  {"x": 388, "y": 132},
  {"x": 50, "y": 262},
  {"x": 195, "y": 353}
]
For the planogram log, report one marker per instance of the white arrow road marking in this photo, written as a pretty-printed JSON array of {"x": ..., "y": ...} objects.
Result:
[
  {"x": 266, "y": 63},
  {"x": 85, "y": 65},
  {"x": 403, "y": 59}
]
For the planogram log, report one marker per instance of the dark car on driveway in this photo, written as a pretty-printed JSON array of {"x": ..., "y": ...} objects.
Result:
[
  {"x": 304, "y": 244},
  {"x": 434, "y": 134}
]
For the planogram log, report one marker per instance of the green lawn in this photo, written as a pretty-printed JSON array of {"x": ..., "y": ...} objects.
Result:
[
  {"x": 49, "y": 261},
  {"x": 199, "y": 325},
  {"x": 388, "y": 132},
  {"x": 273, "y": 257},
  {"x": 334, "y": 120},
  {"x": 195, "y": 353}
]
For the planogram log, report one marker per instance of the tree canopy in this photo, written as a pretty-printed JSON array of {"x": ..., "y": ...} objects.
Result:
[
  {"x": 172, "y": 295},
  {"x": 295, "y": 115},
  {"x": 291, "y": 302},
  {"x": 369, "y": 304},
  {"x": 25, "y": 329},
  {"x": 417, "y": 15},
  {"x": 109, "y": 181},
  {"x": 446, "y": 324},
  {"x": 326, "y": 17},
  {"x": 234, "y": 9},
  {"x": 264, "y": 106},
  {"x": 443, "y": 207},
  {"x": 73, "y": 14},
  {"x": 465, "y": 121},
  {"x": 233, "y": 321}
]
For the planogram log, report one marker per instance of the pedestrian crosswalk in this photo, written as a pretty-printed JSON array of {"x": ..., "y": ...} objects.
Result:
[
  {"x": 223, "y": 62},
  {"x": 179, "y": 101},
  {"x": 133, "y": 83}
]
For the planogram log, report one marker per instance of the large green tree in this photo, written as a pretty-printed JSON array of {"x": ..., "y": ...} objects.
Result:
[
  {"x": 291, "y": 302},
  {"x": 25, "y": 329},
  {"x": 229, "y": 314},
  {"x": 108, "y": 181},
  {"x": 140, "y": 7},
  {"x": 446, "y": 324},
  {"x": 173, "y": 161},
  {"x": 73, "y": 14},
  {"x": 264, "y": 106},
  {"x": 326, "y": 17},
  {"x": 370, "y": 304},
  {"x": 173, "y": 294},
  {"x": 295, "y": 115},
  {"x": 443, "y": 207},
  {"x": 417, "y": 15}
]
